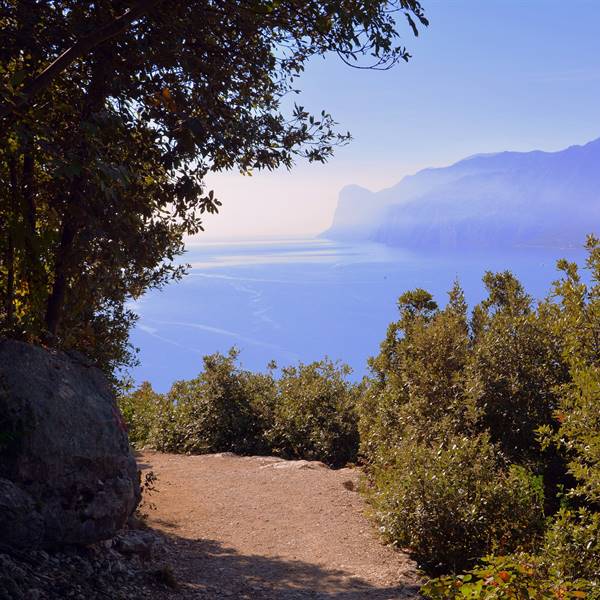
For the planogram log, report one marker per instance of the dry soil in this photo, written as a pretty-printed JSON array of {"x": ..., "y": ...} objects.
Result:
[{"x": 259, "y": 527}]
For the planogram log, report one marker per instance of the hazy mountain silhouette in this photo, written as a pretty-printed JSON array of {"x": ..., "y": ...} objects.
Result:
[{"x": 491, "y": 200}]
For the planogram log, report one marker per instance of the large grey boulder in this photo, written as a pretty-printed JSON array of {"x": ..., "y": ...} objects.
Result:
[
  {"x": 20, "y": 523},
  {"x": 67, "y": 475}
]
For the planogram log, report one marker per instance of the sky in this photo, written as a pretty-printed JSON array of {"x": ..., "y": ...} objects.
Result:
[{"x": 486, "y": 76}]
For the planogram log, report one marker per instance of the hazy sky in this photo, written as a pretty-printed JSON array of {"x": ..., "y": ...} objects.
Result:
[{"x": 487, "y": 75}]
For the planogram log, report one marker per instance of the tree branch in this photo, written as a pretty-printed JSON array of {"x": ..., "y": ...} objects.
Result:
[{"x": 79, "y": 49}]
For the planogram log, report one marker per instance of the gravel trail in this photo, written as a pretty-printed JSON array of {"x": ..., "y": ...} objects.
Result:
[{"x": 265, "y": 528}]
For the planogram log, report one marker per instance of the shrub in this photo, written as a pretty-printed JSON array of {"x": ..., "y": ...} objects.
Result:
[
  {"x": 215, "y": 412},
  {"x": 572, "y": 545},
  {"x": 519, "y": 577},
  {"x": 575, "y": 318},
  {"x": 166, "y": 434},
  {"x": 314, "y": 415},
  {"x": 308, "y": 413},
  {"x": 576, "y": 436},
  {"x": 515, "y": 368},
  {"x": 141, "y": 409},
  {"x": 453, "y": 502},
  {"x": 418, "y": 377},
  {"x": 449, "y": 424}
]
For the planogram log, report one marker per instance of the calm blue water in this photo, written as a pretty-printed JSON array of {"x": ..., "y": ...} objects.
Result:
[{"x": 301, "y": 300}]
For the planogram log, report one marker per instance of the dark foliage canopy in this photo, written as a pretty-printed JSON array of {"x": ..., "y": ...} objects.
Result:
[{"x": 112, "y": 114}]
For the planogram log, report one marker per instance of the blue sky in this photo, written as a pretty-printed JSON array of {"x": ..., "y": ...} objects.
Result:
[{"x": 487, "y": 75}]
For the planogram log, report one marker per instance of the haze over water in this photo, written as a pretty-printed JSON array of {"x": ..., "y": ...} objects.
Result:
[{"x": 301, "y": 300}]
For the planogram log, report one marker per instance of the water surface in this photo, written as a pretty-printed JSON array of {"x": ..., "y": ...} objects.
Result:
[{"x": 300, "y": 300}]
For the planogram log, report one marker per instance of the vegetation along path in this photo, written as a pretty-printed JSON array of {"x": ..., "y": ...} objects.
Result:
[{"x": 260, "y": 527}]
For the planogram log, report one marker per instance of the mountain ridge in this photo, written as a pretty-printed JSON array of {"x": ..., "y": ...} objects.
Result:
[{"x": 498, "y": 199}]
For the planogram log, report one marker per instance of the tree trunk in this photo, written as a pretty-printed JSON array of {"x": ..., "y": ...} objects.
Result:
[
  {"x": 27, "y": 189},
  {"x": 10, "y": 248},
  {"x": 74, "y": 214},
  {"x": 10, "y": 282},
  {"x": 57, "y": 295},
  {"x": 33, "y": 266}
]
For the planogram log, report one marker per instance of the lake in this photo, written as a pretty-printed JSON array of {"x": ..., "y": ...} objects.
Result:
[{"x": 301, "y": 300}]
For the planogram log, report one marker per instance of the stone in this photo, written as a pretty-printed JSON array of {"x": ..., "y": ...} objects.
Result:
[
  {"x": 300, "y": 465},
  {"x": 64, "y": 454},
  {"x": 140, "y": 543},
  {"x": 20, "y": 523}
]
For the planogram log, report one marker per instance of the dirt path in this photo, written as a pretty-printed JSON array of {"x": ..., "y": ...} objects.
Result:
[{"x": 257, "y": 528}]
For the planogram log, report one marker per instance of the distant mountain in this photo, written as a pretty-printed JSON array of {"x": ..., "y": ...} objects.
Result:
[{"x": 490, "y": 200}]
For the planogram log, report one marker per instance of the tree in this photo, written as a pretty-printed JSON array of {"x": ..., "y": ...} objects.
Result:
[
  {"x": 431, "y": 428},
  {"x": 516, "y": 366},
  {"x": 576, "y": 320},
  {"x": 481, "y": 433},
  {"x": 112, "y": 115}
]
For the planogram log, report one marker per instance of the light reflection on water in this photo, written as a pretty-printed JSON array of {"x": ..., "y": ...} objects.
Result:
[{"x": 287, "y": 252}]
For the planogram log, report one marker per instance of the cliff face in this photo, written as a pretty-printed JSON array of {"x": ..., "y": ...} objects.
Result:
[{"x": 497, "y": 200}]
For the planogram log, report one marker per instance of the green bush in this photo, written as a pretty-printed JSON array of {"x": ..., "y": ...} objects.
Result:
[
  {"x": 453, "y": 502},
  {"x": 215, "y": 412},
  {"x": 224, "y": 409},
  {"x": 575, "y": 320},
  {"x": 419, "y": 378},
  {"x": 515, "y": 368},
  {"x": 519, "y": 577},
  {"x": 308, "y": 413},
  {"x": 141, "y": 409},
  {"x": 448, "y": 426},
  {"x": 525, "y": 376},
  {"x": 314, "y": 415},
  {"x": 572, "y": 545}
]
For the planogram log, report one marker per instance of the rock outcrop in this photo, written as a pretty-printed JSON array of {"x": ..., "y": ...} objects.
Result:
[{"x": 67, "y": 475}]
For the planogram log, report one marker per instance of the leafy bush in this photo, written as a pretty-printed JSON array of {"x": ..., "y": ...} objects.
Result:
[
  {"x": 215, "y": 411},
  {"x": 468, "y": 423},
  {"x": 519, "y": 577},
  {"x": 314, "y": 414},
  {"x": 223, "y": 409},
  {"x": 572, "y": 545},
  {"x": 575, "y": 320},
  {"x": 309, "y": 412},
  {"x": 515, "y": 368},
  {"x": 141, "y": 410},
  {"x": 453, "y": 502},
  {"x": 418, "y": 381},
  {"x": 448, "y": 423}
]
